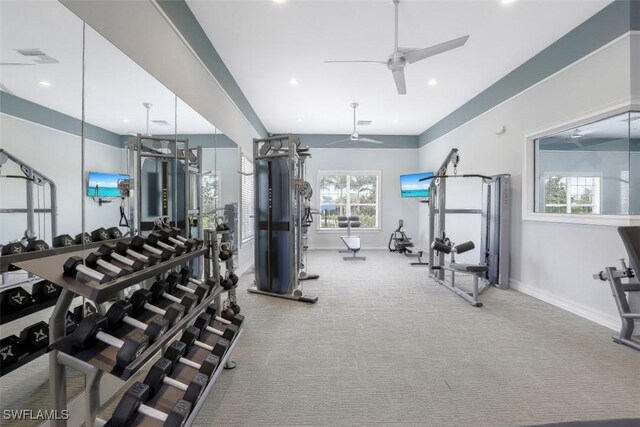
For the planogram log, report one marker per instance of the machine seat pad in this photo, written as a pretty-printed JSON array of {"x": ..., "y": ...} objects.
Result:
[
  {"x": 469, "y": 268},
  {"x": 352, "y": 242}
]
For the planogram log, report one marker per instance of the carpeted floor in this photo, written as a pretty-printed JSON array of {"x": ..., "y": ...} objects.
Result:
[{"x": 385, "y": 345}]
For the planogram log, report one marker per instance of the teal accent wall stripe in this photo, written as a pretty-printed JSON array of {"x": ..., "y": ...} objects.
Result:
[
  {"x": 21, "y": 108},
  {"x": 179, "y": 13},
  {"x": 603, "y": 27},
  {"x": 390, "y": 141}
]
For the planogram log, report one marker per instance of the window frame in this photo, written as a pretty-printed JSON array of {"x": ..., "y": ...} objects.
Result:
[
  {"x": 568, "y": 191},
  {"x": 349, "y": 173},
  {"x": 246, "y": 240},
  {"x": 529, "y": 173},
  {"x": 218, "y": 188}
]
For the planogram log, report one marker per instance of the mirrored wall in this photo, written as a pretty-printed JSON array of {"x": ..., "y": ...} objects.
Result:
[{"x": 67, "y": 129}]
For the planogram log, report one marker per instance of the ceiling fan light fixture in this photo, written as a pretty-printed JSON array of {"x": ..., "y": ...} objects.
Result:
[
  {"x": 432, "y": 82},
  {"x": 577, "y": 133}
]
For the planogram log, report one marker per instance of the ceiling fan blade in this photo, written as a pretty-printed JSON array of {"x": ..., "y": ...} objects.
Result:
[
  {"x": 412, "y": 56},
  {"x": 372, "y": 141},
  {"x": 342, "y": 140},
  {"x": 398, "y": 76},
  {"x": 356, "y": 61}
]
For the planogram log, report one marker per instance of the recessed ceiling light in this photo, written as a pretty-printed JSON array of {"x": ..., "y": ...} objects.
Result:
[
  {"x": 279, "y": 1},
  {"x": 125, "y": 120},
  {"x": 396, "y": 121},
  {"x": 45, "y": 83},
  {"x": 508, "y": 1},
  {"x": 293, "y": 82},
  {"x": 432, "y": 82},
  {"x": 299, "y": 119}
]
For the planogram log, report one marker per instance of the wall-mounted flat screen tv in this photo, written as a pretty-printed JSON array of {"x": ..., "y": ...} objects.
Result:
[
  {"x": 411, "y": 186},
  {"x": 107, "y": 185}
]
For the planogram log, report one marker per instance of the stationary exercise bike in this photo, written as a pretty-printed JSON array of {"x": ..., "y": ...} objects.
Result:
[{"x": 399, "y": 241}]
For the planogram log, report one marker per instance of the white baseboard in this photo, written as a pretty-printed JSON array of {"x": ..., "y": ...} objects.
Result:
[
  {"x": 335, "y": 248},
  {"x": 596, "y": 316}
]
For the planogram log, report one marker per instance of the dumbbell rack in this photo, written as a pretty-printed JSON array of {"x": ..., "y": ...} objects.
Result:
[
  {"x": 229, "y": 267},
  {"x": 100, "y": 359},
  {"x": 9, "y": 263}
]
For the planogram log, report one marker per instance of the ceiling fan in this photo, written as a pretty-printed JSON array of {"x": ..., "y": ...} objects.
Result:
[
  {"x": 403, "y": 56},
  {"x": 355, "y": 136}
]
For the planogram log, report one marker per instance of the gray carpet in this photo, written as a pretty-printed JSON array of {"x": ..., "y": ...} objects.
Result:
[{"x": 385, "y": 345}]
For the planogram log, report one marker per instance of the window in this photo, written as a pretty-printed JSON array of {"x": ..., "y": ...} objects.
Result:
[
  {"x": 349, "y": 194},
  {"x": 572, "y": 194},
  {"x": 586, "y": 169},
  {"x": 210, "y": 198},
  {"x": 247, "y": 209}
]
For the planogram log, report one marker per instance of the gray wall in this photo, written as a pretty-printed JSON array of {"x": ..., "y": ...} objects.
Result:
[{"x": 392, "y": 163}]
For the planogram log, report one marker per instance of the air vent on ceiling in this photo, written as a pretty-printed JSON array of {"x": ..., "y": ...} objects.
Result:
[
  {"x": 161, "y": 122},
  {"x": 364, "y": 122},
  {"x": 38, "y": 56}
]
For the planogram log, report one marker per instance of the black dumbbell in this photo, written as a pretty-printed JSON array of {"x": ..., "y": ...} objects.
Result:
[
  {"x": 159, "y": 374},
  {"x": 114, "y": 233},
  {"x": 133, "y": 403},
  {"x": 10, "y": 350},
  {"x": 176, "y": 352},
  {"x": 90, "y": 330},
  {"x": 74, "y": 265},
  {"x": 35, "y": 337},
  {"x": 100, "y": 234},
  {"x": 166, "y": 237},
  {"x": 190, "y": 338},
  {"x": 44, "y": 290},
  {"x": 185, "y": 274},
  {"x": 37, "y": 245},
  {"x": 63, "y": 240},
  {"x": 95, "y": 260},
  {"x": 175, "y": 233},
  {"x": 83, "y": 238},
  {"x": 121, "y": 248},
  {"x": 160, "y": 289},
  {"x": 108, "y": 253},
  {"x": 141, "y": 300},
  {"x": 155, "y": 239},
  {"x": 16, "y": 299},
  {"x": 83, "y": 311},
  {"x": 13, "y": 248},
  {"x": 203, "y": 323},
  {"x": 226, "y": 283},
  {"x": 139, "y": 244},
  {"x": 236, "y": 319},
  {"x": 174, "y": 280},
  {"x": 71, "y": 322},
  {"x": 119, "y": 313}
]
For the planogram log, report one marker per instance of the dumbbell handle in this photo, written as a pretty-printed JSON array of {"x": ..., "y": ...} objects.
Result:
[
  {"x": 203, "y": 345},
  {"x": 122, "y": 259},
  {"x": 89, "y": 272},
  {"x": 154, "y": 309},
  {"x": 214, "y": 331},
  {"x": 109, "y": 339},
  {"x": 165, "y": 246},
  {"x": 176, "y": 241},
  {"x": 195, "y": 281},
  {"x": 171, "y": 298},
  {"x": 174, "y": 383},
  {"x": 135, "y": 323},
  {"x": 108, "y": 266},
  {"x": 222, "y": 320},
  {"x": 183, "y": 239},
  {"x": 186, "y": 289},
  {"x": 137, "y": 255},
  {"x": 190, "y": 363},
  {"x": 152, "y": 412},
  {"x": 151, "y": 249}
]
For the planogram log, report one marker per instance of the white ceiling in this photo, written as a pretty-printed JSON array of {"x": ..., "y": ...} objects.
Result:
[
  {"x": 265, "y": 44},
  {"x": 115, "y": 85}
]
